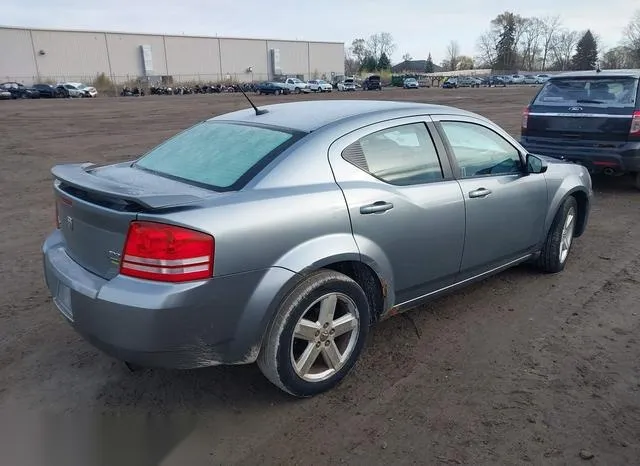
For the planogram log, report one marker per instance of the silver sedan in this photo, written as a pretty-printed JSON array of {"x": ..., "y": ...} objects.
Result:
[{"x": 280, "y": 235}]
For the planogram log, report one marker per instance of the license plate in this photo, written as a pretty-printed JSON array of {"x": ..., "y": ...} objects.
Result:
[{"x": 63, "y": 300}]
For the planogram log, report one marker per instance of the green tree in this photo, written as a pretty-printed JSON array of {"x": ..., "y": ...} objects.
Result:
[
  {"x": 506, "y": 47},
  {"x": 586, "y": 55},
  {"x": 429, "y": 65},
  {"x": 384, "y": 63},
  {"x": 369, "y": 64}
]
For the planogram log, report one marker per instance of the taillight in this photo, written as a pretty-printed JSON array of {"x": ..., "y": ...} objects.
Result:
[
  {"x": 635, "y": 124},
  {"x": 168, "y": 253},
  {"x": 525, "y": 117}
]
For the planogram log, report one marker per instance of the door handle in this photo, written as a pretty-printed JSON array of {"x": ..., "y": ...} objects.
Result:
[
  {"x": 376, "y": 208},
  {"x": 481, "y": 192}
]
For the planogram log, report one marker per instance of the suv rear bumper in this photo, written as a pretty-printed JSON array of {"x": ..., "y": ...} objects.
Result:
[
  {"x": 182, "y": 325},
  {"x": 621, "y": 159}
]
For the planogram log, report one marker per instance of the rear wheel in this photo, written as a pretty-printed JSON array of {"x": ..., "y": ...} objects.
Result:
[
  {"x": 317, "y": 334},
  {"x": 557, "y": 246},
  {"x": 638, "y": 180}
]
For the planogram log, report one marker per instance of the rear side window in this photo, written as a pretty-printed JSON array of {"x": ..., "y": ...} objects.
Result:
[
  {"x": 220, "y": 156},
  {"x": 611, "y": 92},
  {"x": 402, "y": 155}
]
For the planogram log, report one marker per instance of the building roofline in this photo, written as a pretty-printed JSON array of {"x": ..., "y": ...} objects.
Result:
[{"x": 94, "y": 31}]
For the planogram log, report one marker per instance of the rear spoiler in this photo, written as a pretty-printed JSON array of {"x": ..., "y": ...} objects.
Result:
[{"x": 77, "y": 175}]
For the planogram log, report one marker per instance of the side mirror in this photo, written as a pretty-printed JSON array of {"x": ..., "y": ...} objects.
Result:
[{"x": 535, "y": 164}]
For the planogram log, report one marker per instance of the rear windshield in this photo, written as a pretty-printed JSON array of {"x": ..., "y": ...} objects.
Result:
[
  {"x": 610, "y": 92},
  {"x": 216, "y": 155}
]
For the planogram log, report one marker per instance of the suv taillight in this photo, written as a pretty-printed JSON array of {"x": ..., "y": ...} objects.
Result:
[
  {"x": 635, "y": 124},
  {"x": 525, "y": 118},
  {"x": 167, "y": 253}
]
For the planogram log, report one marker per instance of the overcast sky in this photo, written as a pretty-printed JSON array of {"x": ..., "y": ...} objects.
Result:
[{"x": 418, "y": 26}]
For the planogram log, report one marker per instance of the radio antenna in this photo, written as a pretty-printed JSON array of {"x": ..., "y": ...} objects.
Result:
[{"x": 258, "y": 110}]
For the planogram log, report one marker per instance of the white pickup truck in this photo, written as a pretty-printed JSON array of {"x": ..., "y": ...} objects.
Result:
[{"x": 295, "y": 85}]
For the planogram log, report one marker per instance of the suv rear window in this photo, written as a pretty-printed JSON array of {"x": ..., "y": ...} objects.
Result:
[
  {"x": 216, "y": 155},
  {"x": 610, "y": 92}
]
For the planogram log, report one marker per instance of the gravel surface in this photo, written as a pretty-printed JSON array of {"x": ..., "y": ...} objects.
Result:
[{"x": 522, "y": 368}]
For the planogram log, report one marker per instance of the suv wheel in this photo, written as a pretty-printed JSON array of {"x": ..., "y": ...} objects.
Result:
[
  {"x": 638, "y": 180},
  {"x": 557, "y": 246},
  {"x": 317, "y": 334}
]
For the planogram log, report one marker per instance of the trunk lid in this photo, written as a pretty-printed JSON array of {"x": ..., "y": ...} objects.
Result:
[
  {"x": 584, "y": 110},
  {"x": 96, "y": 204}
]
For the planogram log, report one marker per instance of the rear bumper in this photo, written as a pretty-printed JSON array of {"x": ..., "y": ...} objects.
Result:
[
  {"x": 625, "y": 158},
  {"x": 187, "y": 325}
]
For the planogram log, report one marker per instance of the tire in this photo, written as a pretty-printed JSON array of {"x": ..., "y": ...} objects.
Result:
[
  {"x": 637, "y": 183},
  {"x": 280, "y": 349},
  {"x": 557, "y": 245},
  {"x": 276, "y": 92}
]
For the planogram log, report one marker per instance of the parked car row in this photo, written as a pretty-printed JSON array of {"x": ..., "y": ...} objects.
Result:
[
  {"x": 16, "y": 90},
  {"x": 494, "y": 80},
  {"x": 297, "y": 86}
]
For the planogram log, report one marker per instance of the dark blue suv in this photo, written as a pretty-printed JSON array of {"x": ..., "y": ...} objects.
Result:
[{"x": 588, "y": 117}]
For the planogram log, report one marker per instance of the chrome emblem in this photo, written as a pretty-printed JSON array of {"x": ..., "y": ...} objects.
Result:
[
  {"x": 114, "y": 256},
  {"x": 575, "y": 109},
  {"x": 69, "y": 223}
]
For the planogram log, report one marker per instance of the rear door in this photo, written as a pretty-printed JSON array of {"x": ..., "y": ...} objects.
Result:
[
  {"x": 505, "y": 206},
  {"x": 407, "y": 211},
  {"x": 582, "y": 111}
]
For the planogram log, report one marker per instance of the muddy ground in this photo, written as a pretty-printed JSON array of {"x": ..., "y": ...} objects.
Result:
[{"x": 522, "y": 368}]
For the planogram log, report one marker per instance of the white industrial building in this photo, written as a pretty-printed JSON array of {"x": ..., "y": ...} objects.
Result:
[{"x": 32, "y": 55}]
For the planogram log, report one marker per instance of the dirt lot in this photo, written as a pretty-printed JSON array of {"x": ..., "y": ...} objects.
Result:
[{"x": 520, "y": 369}]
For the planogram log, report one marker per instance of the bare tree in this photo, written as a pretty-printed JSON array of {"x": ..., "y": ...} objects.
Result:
[
  {"x": 632, "y": 38},
  {"x": 531, "y": 37},
  {"x": 616, "y": 58},
  {"x": 387, "y": 45},
  {"x": 373, "y": 46},
  {"x": 550, "y": 27},
  {"x": 407, "y": 57},
  {"x": 465, "y": 63},
  {"x": 379, "y": 44},
  {"x": 351, "y": 63},
  {"x": 359, "y": 50},
  {"x": 563, "y": 47},
  {"x": 453, "y": 54},
  {"x": 487, "y": 46}
]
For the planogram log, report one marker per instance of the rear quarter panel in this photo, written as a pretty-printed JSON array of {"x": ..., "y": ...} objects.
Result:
[{"x": 292, "y": 216}]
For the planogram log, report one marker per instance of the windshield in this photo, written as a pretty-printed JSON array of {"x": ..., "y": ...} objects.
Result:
[
  {"x": 221, "y": 156},
  {"x": 612, "y": 92}
]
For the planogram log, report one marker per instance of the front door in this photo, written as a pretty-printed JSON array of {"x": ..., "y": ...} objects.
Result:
[
  {"x": 505, "y": 206},
  {"x": 407, "y": 211}
]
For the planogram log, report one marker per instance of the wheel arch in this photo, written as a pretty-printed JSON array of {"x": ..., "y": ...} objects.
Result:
[{"x": 581, "y": 197}]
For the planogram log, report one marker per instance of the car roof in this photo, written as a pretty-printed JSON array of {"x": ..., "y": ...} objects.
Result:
[
  {"x": 627, "y": 73},
  {"x": 314, "y": 114}
]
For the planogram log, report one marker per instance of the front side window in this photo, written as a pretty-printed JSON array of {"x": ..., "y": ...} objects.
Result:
[
  {"x": 480, "y": 151},
  {"x": 402, "y": 155},
  {"x": 216, "y": 155}
]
